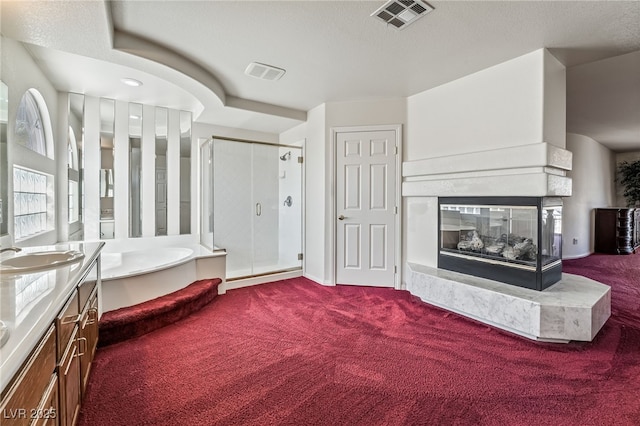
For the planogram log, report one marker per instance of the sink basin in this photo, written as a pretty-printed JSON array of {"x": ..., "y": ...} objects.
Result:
[{"x": 39, "y": 260}]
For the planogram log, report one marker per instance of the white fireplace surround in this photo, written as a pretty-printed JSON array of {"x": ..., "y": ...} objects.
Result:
[
  {"x": 572, "y": 309},
  {"x": 534, "y": 170}
]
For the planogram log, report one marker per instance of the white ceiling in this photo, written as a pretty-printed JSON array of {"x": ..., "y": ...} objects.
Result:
[{"x": 332, "y": 51}]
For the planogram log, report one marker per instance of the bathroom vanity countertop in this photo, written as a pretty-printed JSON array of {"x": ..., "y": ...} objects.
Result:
[{"x": 30, "y": 302}]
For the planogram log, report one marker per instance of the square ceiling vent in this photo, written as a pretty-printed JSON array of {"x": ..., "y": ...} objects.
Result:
[
  {"x": 264, "y": 71},
  {"x": 402, "y": 13}
]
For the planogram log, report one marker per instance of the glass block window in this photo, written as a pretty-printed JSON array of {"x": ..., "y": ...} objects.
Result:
[
  {"x": 29, "y": 126},
  {"x": 30, "y": 198}
]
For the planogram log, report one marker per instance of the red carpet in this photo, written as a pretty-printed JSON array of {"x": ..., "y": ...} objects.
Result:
[{"x": 296, "y": 353}]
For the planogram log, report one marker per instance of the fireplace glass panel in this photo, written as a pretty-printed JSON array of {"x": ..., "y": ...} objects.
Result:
[{"x": 509, "y": 239}]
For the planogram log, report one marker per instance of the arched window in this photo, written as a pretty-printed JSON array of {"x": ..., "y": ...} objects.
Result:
[{"x": 29, "y": 125}]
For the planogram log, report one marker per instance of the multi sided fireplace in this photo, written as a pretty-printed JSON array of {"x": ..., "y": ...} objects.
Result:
[{"x": 515, "y": 240}]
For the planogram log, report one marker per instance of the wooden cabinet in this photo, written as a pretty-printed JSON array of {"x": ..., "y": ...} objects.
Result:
[
  {"x": 22, "y": 403},
  {"x": 617, "y": 230},
  {"x": 48, "y": 388}
]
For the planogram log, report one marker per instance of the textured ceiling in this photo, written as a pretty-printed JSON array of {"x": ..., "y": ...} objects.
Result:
[{"x": 332, "y": 51}]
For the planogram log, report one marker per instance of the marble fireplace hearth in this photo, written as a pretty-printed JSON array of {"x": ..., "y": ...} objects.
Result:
[{"x": 575, "y": 308}]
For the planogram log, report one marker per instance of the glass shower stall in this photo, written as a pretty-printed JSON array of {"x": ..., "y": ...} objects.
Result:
[{"x": 252, "y": 205}]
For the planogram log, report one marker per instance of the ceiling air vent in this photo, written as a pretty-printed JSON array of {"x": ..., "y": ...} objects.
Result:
[
  {"x": 264, "y": 72},
  {"x": 401, "y": 13}
]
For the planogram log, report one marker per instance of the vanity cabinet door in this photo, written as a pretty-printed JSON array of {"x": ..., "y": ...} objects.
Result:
[
  {"x": 20, "y": 404},
  {"x": 69, "y": 381},
  {"x": 68, "y": 362},
  {"x": 88, "y": 338},
  {"x": 47, "y": 414}
]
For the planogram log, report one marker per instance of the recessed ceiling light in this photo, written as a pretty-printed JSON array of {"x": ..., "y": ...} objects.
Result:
[
  {"x": 131, "y": 82},
  {"x": 401, "y": 13}
]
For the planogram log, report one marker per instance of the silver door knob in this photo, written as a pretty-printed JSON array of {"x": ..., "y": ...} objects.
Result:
[{"x": 341, "y": 217}]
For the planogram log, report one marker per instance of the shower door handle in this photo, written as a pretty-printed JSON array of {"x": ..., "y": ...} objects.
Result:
[{"x": 258, "y": 209}]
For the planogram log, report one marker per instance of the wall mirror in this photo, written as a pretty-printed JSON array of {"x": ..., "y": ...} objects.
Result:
[
  {"x": 135, "y": 170},
  {"x": 107, "y": 193},
  {"x": 4, "y": 163},
  {"x": 185, "y": 172},
  {"x": 162, "y": 137},
  {"x": 75, "y": 162}
]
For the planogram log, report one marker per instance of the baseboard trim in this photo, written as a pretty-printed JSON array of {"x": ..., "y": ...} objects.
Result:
[
  {"x": 248, "y": 282},
  {"x": 577, "y": 256},
  {"x": 317, "y": 280}
]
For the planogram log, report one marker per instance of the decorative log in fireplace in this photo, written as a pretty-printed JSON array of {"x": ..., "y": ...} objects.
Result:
[{"x": 515, "y": 240}]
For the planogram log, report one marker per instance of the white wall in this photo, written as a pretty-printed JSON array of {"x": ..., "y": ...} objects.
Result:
[
  {"x": 20, "y": 72},
  {"x": 515, "y": 103},
  {"x": 620, "y": 157},
  {"x": 498, "y": 107},
  {"x": 593, "y": 186}
]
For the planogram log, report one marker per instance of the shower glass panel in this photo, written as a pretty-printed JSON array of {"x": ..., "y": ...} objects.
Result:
[{"x": 257, "y": 206}]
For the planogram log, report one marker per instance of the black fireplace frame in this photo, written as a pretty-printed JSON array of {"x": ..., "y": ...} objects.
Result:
[{"x": 538, "y": 278}]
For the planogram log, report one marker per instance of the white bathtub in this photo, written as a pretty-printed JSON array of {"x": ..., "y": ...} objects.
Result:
[
  {"x": 137, "y": 262},
  {"x": 135, "y": 270}
]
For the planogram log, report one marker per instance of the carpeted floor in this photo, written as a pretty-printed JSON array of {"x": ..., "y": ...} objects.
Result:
[{"x": 297, "y": 353}]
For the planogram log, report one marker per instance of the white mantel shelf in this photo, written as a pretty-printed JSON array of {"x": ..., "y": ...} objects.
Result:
[
  {"x": 575, "y": 308},
  {"x": 535, "y": 170}
]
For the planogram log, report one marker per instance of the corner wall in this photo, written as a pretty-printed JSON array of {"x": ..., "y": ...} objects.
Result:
[
  {"x": 593, "y": 186},
  {"x": 315, "y": 190}
]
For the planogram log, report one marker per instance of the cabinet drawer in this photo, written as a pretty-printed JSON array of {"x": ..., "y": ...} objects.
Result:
[
  {"x": 65, "y": 323},
  {"x": 20, "y": 405}
]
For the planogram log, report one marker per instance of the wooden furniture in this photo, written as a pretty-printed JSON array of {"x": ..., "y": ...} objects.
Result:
[
  {"x": 617, "y": 230},
  {"x": 48, "y": 387}
]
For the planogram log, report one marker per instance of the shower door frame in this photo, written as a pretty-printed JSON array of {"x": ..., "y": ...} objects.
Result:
[{"x": 298, "y": 270}]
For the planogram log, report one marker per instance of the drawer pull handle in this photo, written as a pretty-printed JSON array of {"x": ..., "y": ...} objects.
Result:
[
  {"x": 84, "y": 349},
  {"x": 92, "y": 316},
  {"x": 73, "y": 355},
  {"x": 70, "y": 319}
]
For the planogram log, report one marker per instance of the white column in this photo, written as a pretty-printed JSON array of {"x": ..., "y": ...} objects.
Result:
[
  {"x": 148, "y": 171},
  {"x": 173, "y": 173},
  {"x": 91, "y": 168},
  {"x": 121, "y": 169}
]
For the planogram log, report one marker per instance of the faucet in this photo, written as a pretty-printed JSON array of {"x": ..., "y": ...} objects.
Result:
[{"x": 16, "y": 249}]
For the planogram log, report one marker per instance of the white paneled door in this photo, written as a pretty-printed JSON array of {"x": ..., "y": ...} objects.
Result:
[{"x": 366, "y": 207}]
